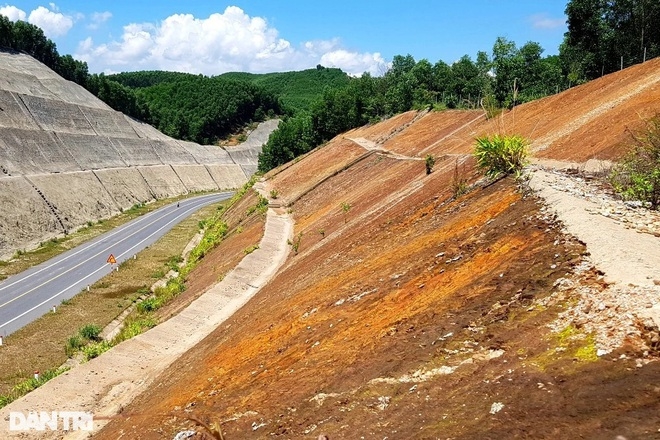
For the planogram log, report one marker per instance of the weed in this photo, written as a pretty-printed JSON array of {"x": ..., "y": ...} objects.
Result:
[
  {"x": 73, "y": 345},
  {"x": 274, "y": 194},
  {"x": 95, "y": 349},
  {"x": 322, "y": 232},
  {"x": 295, "y": 244},
  {"x": 90, "y": 332},
  {"x": 459, "y": 184},
  {"x": 174, "y": 262},
  {"x": 148, "y": 305},
  {"x": 637, "y": 176},
  {"x": 345, "y": 207},
  {"x": 501, "y": 155},
  {"x": 24, "y": 387},
  {"x": 248, "y": 250},
  {"x": 429, "y": 161}
]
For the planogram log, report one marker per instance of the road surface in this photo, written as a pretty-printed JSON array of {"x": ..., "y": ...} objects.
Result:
[{"x": 32, "y": 293}]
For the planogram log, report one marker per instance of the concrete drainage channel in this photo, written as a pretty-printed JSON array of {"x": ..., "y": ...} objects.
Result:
[{"x": 106, "y": 384}]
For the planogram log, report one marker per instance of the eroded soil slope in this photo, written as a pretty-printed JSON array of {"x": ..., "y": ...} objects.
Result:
[{"x": 404, "y": 312}]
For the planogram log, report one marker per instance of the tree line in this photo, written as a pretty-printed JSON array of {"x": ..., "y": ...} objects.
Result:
[
  {"x": 603, "y": 36},
  {"x": 190, "y": 107}
]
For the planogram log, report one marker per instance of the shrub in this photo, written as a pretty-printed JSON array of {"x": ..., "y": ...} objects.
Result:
[
  {"x": 148, "y": 305},
  {"x": 430, "y": 162},
  {"x": 501, "y": 155},
  {"x": 637, "y": 176},
  {"x": 73, "y": 344},
  {"x": 90, "y": 332},
  {"x": 95, "y": 349}
]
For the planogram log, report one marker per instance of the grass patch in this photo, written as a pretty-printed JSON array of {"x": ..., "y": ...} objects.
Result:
[
  {"x": 27, "y": 385},
  {"x": 31, "y": 347}
]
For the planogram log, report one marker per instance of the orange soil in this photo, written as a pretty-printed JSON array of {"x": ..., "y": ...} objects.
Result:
[{"x": 410, "y": 279}]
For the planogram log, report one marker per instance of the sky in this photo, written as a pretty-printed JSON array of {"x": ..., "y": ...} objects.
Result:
[{"x": 259, "y": 36}]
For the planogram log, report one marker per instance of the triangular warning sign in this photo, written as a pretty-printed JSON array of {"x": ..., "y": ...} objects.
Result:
[{"x": 111, "y": 259}]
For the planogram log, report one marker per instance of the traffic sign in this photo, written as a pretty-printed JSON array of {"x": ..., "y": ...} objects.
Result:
[{"x": 111, "y": 259}]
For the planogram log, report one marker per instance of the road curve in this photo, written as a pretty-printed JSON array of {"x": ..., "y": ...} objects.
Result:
[{"x": 32, "y": 293}]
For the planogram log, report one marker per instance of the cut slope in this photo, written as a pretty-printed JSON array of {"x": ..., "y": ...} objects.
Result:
[
  {"x": 50, "y": 125},
  {"x": 409, "y": 314}
]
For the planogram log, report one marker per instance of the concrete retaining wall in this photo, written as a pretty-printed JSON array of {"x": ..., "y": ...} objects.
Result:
[
  {"x": 109, "y": 123},
  {"x": 195, "y": 177},
  {"x": 227, "y": 176},
  {"x": 72, "y": 93},
  {"x": 25, "y": 219},
  {"x": 173, "y": 153},
  {"x": 126, "y": 186},
  {"x": 88, "y": 160},
  {"x": 145, "y": 130},
  {"x": 136, "y": 151},
  {"x": 91, "y": 152},
  {"x": 207, "y": 154},
  {"x": 13, "y": 113},
  {"x": 77, "y": 197},
  {"x": 15, "y": 82},
  {"x": 58, "y": 116},
  {"x": 33, "y": 152},
  {"x": 163, "y": 181}
]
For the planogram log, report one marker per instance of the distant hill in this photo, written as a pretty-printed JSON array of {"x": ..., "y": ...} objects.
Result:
[{"x": 297, "y": 90}]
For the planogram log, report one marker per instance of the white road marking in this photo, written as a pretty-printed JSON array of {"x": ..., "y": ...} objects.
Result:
[{"x": 104, "y": 265}]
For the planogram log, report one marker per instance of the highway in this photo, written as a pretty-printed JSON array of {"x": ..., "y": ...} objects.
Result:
[{"x": 32, "y": 293}]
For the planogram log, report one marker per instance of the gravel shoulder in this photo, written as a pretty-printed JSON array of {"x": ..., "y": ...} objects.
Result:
[{"x": 623, "y": 244}]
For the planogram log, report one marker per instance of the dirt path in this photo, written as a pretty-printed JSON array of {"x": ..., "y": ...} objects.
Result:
[
  {"x": 106, "y": 384},
  {"x": 622, "y": 244}
]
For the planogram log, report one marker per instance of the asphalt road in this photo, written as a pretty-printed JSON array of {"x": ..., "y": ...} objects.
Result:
[{"x": 32, "y": 293}]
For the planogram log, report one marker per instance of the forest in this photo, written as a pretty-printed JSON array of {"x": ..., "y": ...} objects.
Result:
[{"x": 603, "y": 36}]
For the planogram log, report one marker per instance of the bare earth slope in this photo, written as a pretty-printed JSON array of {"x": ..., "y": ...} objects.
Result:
[{"x": 404, "y": 312}]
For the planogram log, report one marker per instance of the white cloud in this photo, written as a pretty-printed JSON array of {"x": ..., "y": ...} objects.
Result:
[
  {"x": 13, "y": 13},
  {"x": 355, "y": 63},
  {"x": 543, "y": 21},
  {"x": 227, "y": 41},
  {"x": 53, "y": 23},
  {"x": 98, "y": 18}
]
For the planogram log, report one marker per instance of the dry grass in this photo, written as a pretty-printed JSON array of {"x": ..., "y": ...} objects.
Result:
[
  {"x": 40, "y": 345},
  {"x": 51, "y": 248}
]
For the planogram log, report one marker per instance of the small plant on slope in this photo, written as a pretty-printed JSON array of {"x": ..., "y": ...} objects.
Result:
[
  {"x": 501, "y": 155},
  {"x": 345, "y": 207},
  {"x": 430, "y": 162},
  {"x": 637, "y": 176}
]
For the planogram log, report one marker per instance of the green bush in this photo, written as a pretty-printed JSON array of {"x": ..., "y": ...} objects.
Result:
[
  {"x": 430, "y": 163},
  {"x": 95, "y": 349},
  {"x": 501, "y": 155},
  {"x": 90, "y": 332},
  {"x": 148, "y": 305},
  {"x": 73, "y": 344},
  {"x": 637, "y": 176}
]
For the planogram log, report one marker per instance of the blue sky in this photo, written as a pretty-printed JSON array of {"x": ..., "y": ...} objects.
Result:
[{"x": 213, "y": 37}]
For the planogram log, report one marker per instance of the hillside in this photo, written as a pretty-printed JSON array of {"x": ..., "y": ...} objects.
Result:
[
  {"x": 67, "y": 159},
  {"x": 405, "y": 311},
  {"x": 297, "y": 90}
]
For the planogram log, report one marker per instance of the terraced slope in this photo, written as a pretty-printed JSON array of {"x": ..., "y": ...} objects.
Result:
[
  {"x": 405, "y": 312},
  {"x": 66, "y": 158}
]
